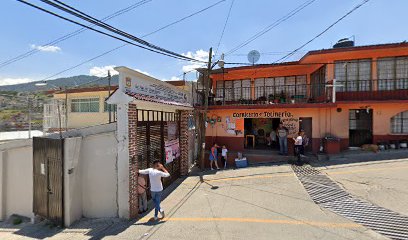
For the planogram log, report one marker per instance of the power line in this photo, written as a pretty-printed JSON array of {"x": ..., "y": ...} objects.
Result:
[
  {"x": 148, "y": 46},
  {"x": 104, "y": 33},
  {"x": 72, "y": 34},
  {"x": 271, "y": 26},
  {"x": 225, "y": 25},
  {"x": 324, "y": 31},
  {"x": 126, "y": 44}
]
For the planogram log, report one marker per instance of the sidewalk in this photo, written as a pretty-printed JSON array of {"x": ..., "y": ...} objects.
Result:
[{"x": 260, "y": 202}]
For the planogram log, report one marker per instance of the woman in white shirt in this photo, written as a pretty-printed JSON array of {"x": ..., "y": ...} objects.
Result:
[{"x": 299, "y": 146}]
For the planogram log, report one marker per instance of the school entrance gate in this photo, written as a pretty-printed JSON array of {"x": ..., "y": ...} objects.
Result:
[
  {"x": 48, "y": 179},
  {"x": 156, "y": 132}
]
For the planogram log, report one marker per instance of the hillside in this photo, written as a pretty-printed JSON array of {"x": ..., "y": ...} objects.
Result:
[{"x": 69, "y": 82}]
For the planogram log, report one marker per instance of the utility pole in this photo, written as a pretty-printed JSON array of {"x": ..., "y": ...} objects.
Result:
[
  {"x": 206, "y": 94},
  {"x": 29, "y": 116},
  {"x": 109, "y": 92}
]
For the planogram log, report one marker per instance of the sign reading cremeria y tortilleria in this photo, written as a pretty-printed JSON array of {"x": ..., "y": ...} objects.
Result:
[{"x": 264, "y": 114}]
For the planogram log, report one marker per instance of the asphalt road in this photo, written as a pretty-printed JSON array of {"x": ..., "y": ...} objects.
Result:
[{"x": 266, "y": 202}]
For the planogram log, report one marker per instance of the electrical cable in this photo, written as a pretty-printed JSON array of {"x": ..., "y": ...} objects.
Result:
[
  {"x": 324, "y": 31},
  {"x": 104, "y": 33},
  {"x": 126, "y": 44},
  {"x": 225, "y": 26},
  {"x": 72, "y": 34},
  {"x": 271, "y": 26},
  {"x": 110, "y": 28}
]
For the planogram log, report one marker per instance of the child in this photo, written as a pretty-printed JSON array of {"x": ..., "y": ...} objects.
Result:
[
  {"x": 224, "y": 157},
  {"x": 141, "y": 190}
]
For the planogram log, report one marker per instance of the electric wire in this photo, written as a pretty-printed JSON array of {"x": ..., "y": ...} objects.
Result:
[
  {"x": 72, "y": 34},
  {"x": 126, "y": 44},
  {"x": 271, "y": 26},
  {"x": 75, "y": 12},
  {"x": 104, "y": 33},
  {"x": 324, "y": 31},
  {"x": 225, "y": 26}
]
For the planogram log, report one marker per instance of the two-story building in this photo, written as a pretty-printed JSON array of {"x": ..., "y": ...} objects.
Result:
[{"x": 368, "y": 105}]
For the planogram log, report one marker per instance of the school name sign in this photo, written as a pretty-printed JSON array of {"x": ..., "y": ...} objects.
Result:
[
  {"x": 146, "y": 88},
  {"x": 265, "y": 114}
]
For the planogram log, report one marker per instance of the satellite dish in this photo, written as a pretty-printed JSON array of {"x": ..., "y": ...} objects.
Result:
[{"x": 253, "y": 56}]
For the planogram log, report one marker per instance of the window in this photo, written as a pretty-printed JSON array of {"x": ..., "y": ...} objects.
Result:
[
  {"x": 399, "y": 123},
  {"x": 354, "y": 75},
  {"x": 85, "y": 105},
  {"x": 392, "y": 73},
  {"x": 111, "y": 107}
]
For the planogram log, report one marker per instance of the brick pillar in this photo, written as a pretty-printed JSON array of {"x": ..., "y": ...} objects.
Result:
[
  {"x": 133, "y": 169},
  {"x": 184, "y": 143}
]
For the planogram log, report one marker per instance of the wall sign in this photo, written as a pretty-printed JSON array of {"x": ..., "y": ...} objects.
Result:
[
  {"x": 264, "y": 114},
  {"x": 155, "y": 91}
]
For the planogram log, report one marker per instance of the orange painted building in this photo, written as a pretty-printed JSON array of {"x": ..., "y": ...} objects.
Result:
[{"x": 369, "y": 106}]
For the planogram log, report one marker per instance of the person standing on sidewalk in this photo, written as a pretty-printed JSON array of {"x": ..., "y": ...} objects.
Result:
[
  {"x": 156, "y": 187},
  {"x": 214, "y": 156},
  {"x": 282, "y": 133}
]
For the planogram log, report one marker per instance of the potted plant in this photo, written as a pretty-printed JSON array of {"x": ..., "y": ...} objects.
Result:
[
  {"x": 262, "y": 99},
  {"x": 292, "y": 99},
  {"x": 311, "y": 100},
  {"x": 242, "y": 101},
  {"x": 218, "y": 102},
  {"x": 276, "y": 100},
  {"x": 282, "y": 97},
  {"x": 271, "y": 98}
]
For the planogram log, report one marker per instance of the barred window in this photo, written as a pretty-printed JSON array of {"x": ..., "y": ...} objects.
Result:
[
  {"x": 399, "y": 123},
  {"x": 354, "y": 75},
  {"x": 392, "y": 73},
  {"x": 85, "y": 105},
  {"x": 111, "y": 107}
]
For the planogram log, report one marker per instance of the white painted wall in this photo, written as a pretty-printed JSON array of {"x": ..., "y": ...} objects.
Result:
[
  {"x": 16, "y": 181},
  {"x": 99, "y": 175}
]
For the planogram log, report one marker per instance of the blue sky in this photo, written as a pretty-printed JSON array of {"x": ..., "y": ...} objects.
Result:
[{"x": 25, "y": 28}]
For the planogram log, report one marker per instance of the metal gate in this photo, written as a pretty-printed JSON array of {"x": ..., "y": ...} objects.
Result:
[
  {"x": 154, "y": 130},
  {"x": 360, "y": 127},
  {"x": 48, "y": 179}
]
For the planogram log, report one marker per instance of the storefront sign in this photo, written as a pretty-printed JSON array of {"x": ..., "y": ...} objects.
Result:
[
  {"x": 172, "y": 150},
  {"x": 263, "y": 114}
]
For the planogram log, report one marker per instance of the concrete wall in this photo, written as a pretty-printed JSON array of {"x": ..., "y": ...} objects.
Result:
[
  {"x": 90, "y": 174},
  {"x": 16, "y": 181}
]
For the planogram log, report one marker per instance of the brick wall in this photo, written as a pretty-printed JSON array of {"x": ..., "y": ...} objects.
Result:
[
  {"x": 133, "y": 169},
  {"x": 184, "y": 142}
]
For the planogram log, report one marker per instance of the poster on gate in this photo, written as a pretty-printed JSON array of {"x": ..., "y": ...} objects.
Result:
[{"x": 172, "y": 150}]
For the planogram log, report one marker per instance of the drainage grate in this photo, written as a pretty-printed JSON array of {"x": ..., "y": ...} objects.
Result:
[{"x": 330, "y": 195}]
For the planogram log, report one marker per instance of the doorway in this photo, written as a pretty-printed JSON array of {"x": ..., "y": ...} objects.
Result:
[
  {"x": 360, "y": 127},
  {"x": 305, "y": 123},
  {"x": 260, "y": 133},
  {"x": 48, "y": 179}
]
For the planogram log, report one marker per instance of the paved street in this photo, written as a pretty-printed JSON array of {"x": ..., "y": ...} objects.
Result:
[{"x": 265, "y": 202}]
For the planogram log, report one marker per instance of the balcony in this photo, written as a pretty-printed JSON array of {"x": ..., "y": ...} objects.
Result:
[
  {"x": 373, "y": 90},
  {"x": 362, "y": 90}
]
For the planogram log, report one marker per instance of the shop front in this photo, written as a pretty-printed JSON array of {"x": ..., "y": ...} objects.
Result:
[{"x": 348, "y": 124}]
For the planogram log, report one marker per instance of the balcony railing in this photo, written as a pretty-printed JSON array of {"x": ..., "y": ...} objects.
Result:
[{"x": 362, "y": 90}]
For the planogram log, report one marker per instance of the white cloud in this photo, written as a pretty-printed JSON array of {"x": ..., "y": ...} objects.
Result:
[
  {"x": 12, "y": 81},
  {"x": 103, "y": 71},
  {"x": 174, "y": 78},
  {"x": 201, "y": 55},
  {"x": 48, "y": 48}
]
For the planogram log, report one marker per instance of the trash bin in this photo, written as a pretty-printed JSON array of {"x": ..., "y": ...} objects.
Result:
[{"x": 331, "y": 145}]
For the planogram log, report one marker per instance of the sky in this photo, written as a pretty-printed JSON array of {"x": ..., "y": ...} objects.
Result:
[{"x": 25, "y": 29}]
